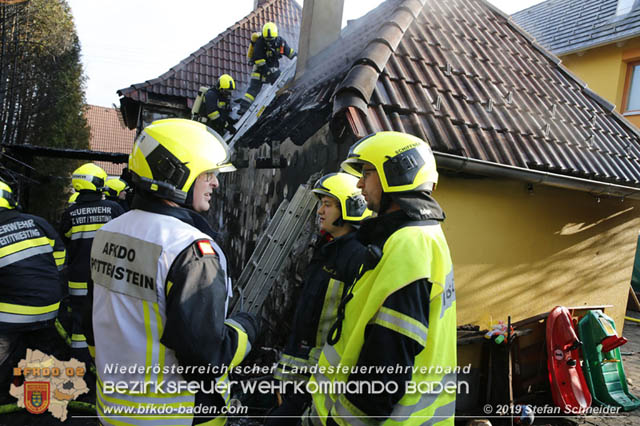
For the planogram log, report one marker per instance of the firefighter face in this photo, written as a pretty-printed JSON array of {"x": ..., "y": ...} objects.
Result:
[
  {"x": 328, "y": 213},
  {"x": 202, "y": 189},
  {"x": 371, "y": 187}
]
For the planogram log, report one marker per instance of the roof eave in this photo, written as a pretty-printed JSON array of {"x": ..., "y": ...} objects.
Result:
[
  {"x": 483, "y": 168},
  {"x": 349, "y": 127},
  {"x": 584, "y": 48}
]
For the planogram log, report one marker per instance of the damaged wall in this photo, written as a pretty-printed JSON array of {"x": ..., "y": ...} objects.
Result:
[{"x": 249, "y": 198}]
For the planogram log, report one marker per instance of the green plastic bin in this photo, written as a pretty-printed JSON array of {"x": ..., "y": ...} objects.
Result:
[{"x": 603, "y": 370}]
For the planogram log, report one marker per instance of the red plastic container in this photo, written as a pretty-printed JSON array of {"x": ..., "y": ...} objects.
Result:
[{"x": 568, "y": 385}]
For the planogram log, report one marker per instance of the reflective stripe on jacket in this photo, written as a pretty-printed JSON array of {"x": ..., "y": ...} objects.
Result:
[
  {"x": 78, "y": 228},
  {"x": 409, "y": 254},
  {"x": 131, "y": 259},
  {"x": 31, "y": 258},
  {"x": 334, "y": 263}
]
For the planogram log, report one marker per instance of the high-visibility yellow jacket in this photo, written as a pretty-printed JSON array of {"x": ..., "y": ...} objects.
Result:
[{"x": 410, "y": 254}]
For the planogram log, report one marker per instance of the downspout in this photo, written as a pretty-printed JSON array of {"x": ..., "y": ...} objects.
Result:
[{"x": 479, "y": 167}]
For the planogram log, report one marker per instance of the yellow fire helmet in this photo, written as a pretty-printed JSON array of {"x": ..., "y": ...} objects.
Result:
[
  {"x": 404, "y": 162},
  {"x": 170, "y": 154},
  {"x": 88, "y": 177},
  {"x": 6, "y": 197},
  {"x": 73, "y": 198},
  {"x": 114, "y": 187},
  {"x": 226, "y": 83},
  {"x": 342, "y": 186},
  {"x": 269, "y": 31}
]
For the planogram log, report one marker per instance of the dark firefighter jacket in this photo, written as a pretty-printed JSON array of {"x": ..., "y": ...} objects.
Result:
[
  {"x": 267, "y": 55},
  {"x": 32, "y": 257},
  {"x": 217, "y": 110},
  {"x": 333, "y": 267},
  {"x": 123, "y": 203},
  {"x": 78, "y": 226}
]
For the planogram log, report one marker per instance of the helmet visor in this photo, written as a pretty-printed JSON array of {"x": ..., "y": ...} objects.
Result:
[{"x": 353, "y": 166}]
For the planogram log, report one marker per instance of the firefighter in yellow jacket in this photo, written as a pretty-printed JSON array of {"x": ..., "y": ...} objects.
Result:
[
  {"x": 160, "y": 286},
  {"x": 401, "y": 312},
  {"x": 32, "y": 258}
]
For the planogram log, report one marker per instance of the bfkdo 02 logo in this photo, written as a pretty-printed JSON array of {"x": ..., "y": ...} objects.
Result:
[{"x": 37, "y": 394}]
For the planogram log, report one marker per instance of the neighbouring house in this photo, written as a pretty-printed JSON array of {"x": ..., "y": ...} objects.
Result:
[
  {"x": 598, "y": 40},
  {"x": 539, "y": 175},
  {"x": 108, "y": 134},
  {"x": 172, "y": 94}
]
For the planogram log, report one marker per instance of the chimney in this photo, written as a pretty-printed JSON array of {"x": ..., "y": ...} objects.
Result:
[
  {"x": 624, "y": 7},
  {"x": 321, "y": 24},
  {"x": 258, "y": 3}
]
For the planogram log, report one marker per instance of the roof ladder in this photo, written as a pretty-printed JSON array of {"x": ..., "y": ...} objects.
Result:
[
  {"x": 261, "y": 102},
  {"x": 272, "y": 250}
]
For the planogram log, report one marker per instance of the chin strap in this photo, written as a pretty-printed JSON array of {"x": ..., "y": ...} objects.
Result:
[{"x": 188, "y": 202}]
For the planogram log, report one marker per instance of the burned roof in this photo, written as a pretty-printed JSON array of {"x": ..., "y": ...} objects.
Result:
[
  {"x": 565, "y": 26},
  {"x": 226, "y": 53},
  {"x": 463, "y": 76}
]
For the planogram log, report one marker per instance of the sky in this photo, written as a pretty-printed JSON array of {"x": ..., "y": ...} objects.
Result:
[{"x": 132, "y": 41}]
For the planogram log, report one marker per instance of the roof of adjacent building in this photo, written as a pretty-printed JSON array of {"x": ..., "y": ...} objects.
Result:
[
  {"x": 463, "y": 76},
  {"x": 108, "y": 134},
  {"x": 565, "y": 26},
  {"x": 226, "y": 53}
]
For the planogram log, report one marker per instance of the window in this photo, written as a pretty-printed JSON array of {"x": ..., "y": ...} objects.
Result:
[{"x": 633, "y": 81}]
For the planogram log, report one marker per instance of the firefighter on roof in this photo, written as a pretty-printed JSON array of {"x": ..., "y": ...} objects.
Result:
[
  {"x": 265, "y": 53},
  {"x": 218, "y": 105}
]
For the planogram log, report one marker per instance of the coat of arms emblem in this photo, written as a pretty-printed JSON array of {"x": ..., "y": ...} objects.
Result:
[{"x": 36, "y": 397}]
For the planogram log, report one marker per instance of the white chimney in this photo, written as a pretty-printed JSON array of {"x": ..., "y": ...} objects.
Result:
[
  {"x": 321, "y": 24},
  {"x": 257, "y": 3},
  {"x": 624, "y": 7}
]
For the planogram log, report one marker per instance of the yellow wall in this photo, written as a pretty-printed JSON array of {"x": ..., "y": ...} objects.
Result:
[
  {"x": 521, "y": 254},
  {"x": 604, "y": 70}
]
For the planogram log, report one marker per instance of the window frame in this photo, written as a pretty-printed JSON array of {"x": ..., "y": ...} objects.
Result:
[{"x": 627, "y": 88}]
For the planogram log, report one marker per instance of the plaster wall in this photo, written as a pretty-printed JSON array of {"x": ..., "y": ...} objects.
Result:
[
  {"x": 604, "y": 70},
  {"x": 521, "y": 252}
]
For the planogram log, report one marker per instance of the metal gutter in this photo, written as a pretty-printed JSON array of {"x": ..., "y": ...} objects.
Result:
[
  {"x": 469, "y": 165},
  {"x": 585, "y": 47}
]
